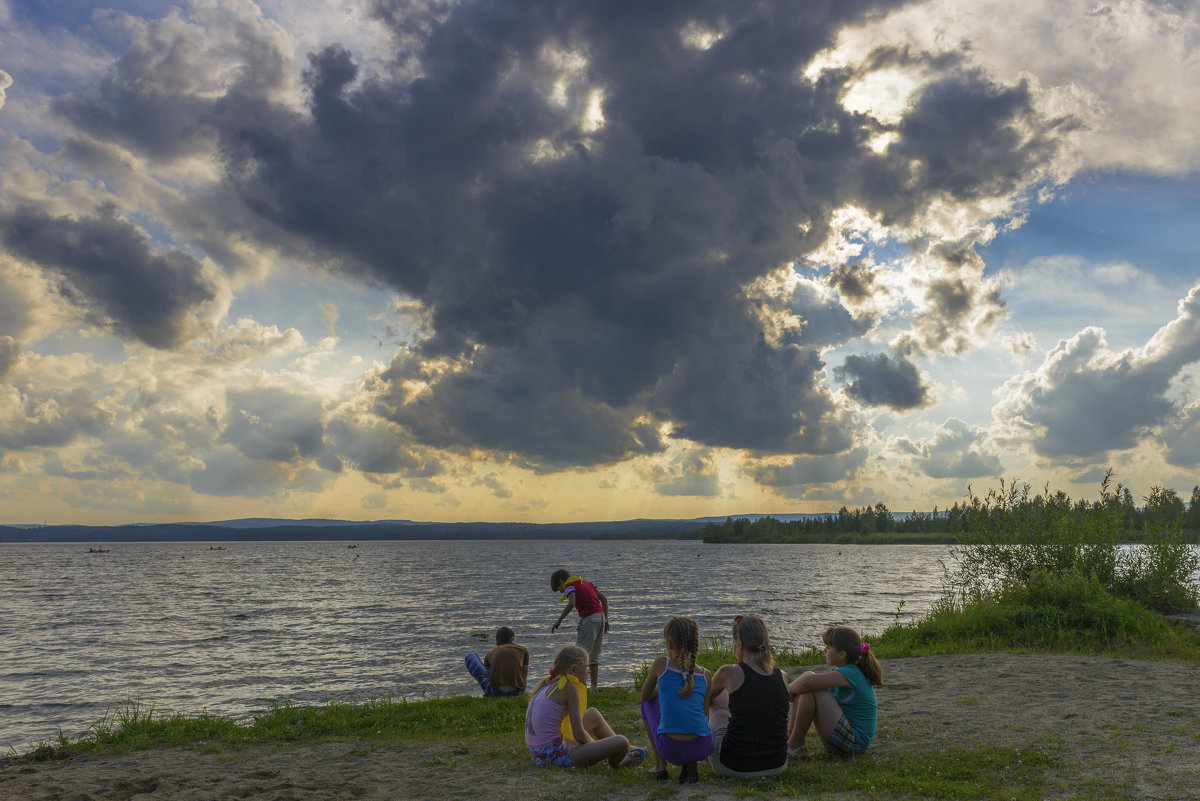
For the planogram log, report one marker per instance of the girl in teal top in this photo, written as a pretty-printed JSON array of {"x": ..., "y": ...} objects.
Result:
[{"x": 840, "y": 704}]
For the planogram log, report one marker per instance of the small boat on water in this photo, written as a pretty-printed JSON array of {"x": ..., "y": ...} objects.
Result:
[
  {"x": 99, "y": 550},
  {"x": 218, "y": 548}
]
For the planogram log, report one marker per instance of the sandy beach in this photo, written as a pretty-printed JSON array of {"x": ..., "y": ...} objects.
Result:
[{"x": 1132, "y": 725}]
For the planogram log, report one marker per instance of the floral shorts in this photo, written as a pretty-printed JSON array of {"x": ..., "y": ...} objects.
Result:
[
  {"x": 842, "y": 742},
  {"x": 556, "y": 753}
]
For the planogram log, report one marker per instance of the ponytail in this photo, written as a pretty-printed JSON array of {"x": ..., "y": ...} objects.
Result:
[
  {"x": 858, "y": 653},
  {"x": 751, "y": 632}
]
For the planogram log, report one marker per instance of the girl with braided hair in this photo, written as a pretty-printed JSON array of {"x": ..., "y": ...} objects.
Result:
[
  {"x": 840, "y": 704},
  {"x": 673, "y": 703}
]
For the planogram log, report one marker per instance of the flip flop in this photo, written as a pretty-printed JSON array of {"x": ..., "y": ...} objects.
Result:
[
  {"x": 661, "y": 775},
  {"x": 635, "y": 756},
  {"x": 798, "y": 753}
]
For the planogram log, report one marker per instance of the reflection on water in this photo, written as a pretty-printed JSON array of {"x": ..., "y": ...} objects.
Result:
[{"x": 189, "y": 629}]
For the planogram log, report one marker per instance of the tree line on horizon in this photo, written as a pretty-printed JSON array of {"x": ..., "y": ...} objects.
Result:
[{"x": 878, "y": 524}]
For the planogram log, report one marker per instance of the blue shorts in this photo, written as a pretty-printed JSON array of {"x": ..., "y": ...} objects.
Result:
[
  {"x": 557, "y": 753},
  {"x": 842, "y": 741}
]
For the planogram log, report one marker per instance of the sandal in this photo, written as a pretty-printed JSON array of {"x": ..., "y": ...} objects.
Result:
[
  {"x": 635, "y": 756},
  {"x": 799, "y": 752},
  {"x": 661, "y": 775}
]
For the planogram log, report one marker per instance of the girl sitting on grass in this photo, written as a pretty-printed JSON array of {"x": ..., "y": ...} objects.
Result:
[
  {"x": 673, "y": 703},
  {"x": 747, "y": 707},
  {"x": 840, "y": 704},
  {"x": 561, "y": 729}
]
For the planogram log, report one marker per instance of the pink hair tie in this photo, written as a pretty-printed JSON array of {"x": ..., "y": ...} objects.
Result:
[{"x": 862, "y": 649}]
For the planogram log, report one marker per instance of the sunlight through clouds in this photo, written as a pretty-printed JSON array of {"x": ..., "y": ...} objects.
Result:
[{"x": 415, "y": 258}]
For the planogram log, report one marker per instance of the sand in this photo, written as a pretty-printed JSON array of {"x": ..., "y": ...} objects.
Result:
[{"x": 1135, "y": 726}]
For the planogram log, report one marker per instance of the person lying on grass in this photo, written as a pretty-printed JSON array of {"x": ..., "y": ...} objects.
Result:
[{"x": 561, "y": 729}]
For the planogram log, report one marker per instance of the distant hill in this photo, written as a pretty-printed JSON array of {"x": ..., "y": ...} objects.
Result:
[
  {"x": 314, "y": 522},
  {"x": 312, "y": 529}
]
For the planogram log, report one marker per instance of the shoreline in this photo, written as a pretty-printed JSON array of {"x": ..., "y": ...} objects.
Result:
[{"x": 1118, "y": 727}]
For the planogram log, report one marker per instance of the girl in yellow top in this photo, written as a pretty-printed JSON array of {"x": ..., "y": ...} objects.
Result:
[{"x": 561, "y": 729}]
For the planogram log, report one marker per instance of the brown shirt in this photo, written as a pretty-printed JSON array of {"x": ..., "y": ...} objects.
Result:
[{"x": 507, "y": 665}]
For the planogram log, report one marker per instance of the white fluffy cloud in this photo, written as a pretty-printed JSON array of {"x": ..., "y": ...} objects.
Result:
[{"x": 1087, "y": 399}]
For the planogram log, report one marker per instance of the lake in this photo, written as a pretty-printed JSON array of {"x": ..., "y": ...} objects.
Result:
[{"x": 183, "y": 628}]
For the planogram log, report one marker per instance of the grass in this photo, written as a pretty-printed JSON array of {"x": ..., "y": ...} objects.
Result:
[{"x": 1071, "y": 614}]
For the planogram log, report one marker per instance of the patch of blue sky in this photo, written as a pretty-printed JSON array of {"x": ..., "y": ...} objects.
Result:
[
  {"x": 366, "y": 323},
  {"x": 104, "y": 348},
  {"x": 73, "y": 14},
  {"x": 1151, "y": 222}
]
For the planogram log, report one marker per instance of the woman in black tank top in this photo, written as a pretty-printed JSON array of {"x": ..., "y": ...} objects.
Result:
[{"x": 747, "y": 705}]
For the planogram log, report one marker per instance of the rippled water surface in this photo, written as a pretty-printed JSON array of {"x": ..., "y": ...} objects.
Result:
[{"x": 185, "y": 628}]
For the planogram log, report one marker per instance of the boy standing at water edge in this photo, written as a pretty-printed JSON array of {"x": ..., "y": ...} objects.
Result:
[
  {"x": 592, "y": 606},
  {"x": 504, "y": 669}
]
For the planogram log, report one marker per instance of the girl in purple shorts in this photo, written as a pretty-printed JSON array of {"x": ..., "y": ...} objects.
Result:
[
  {"x": 561, "y": 729},
  {"x": 673, "y": 703}
]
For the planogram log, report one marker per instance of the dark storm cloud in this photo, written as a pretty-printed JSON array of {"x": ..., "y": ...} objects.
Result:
[
  {"x": 882, "y": 380},
  {"x": 589, "y": 280},
  {"x": 603, "y": 281},
  {"x": 854, "y": 281},
  {"x": 109, "y": 263},
  {"x": 971, "y": 138},
  {"x": 10, "y": 352},
  {"x": 275, "y": 425},
  {"x": 380, "y": 447}
]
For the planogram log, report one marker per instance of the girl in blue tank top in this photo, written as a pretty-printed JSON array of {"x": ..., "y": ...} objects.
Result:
[{"x": 673, "y": 703}]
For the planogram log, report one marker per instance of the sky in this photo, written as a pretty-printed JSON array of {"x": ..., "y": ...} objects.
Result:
[{"x": 553, "y": 261}]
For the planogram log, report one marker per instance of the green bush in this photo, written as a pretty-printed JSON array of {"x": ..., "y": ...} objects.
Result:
[
  {"x": 1048, "y": 613},
  {"x": 1009, "y": 536}
]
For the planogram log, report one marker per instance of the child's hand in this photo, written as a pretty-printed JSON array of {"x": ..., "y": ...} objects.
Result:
[{"x": 554, "y": 628}]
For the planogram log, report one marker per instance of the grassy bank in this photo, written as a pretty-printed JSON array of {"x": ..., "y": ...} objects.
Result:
[{"x": 1072, "y": 616}]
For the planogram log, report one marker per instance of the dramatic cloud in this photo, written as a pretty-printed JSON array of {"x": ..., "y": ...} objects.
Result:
[
  {"x": 1086, "y": 400},
  {"x": 556, "y": 259},
  {"x": 956, "y": 450},
  {"x": 376, "y": 446},
  {"x": 882, "y": 380},
  {"x": 562, "y": 195},
  {"x": 148, "y": 294}
]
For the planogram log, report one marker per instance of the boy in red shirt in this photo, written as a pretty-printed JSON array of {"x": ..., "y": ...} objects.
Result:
[{"x": 592, "y": 606}]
